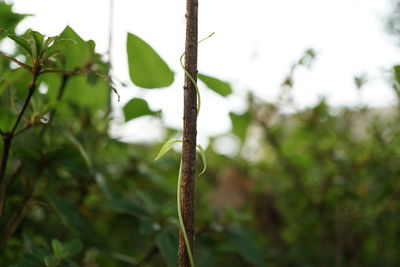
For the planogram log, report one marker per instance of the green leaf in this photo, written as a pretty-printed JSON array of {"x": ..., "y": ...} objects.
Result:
[
  {"x": 246, "y": 248},
  {"x": 37, "y": 43},
  {"x": 57, "y": 249},
  {"x": 146, "y": 68},
  {"x": 9, "y": 19},
  {"x": 49, "y": 41},
  {"x": 30, "y": 260},
  {"x": 7, "y": 119},
  {"x": 135, "y": 108},
  {"x": 71, "y": 217},
  {"x": 76, "y": 56},
  {"x": 203, "y": 157},
  {"x": 57, "y": 46},
  {"x": 50, "y": 261},
  {"x": 127, "y": 206},
  {"x": 79, "y": 146},
  {"x": 167, "y": 147},
  {"x": 240, "y": 123},
  {"x": 24, "y": 43},
  {"x": 104, "y": 186},
  {"x": 218, "y": 86},
  {"x": 72, "y": 247},
  {"x": 78, "y": 91},
  {"x": 168, "y": 248}
]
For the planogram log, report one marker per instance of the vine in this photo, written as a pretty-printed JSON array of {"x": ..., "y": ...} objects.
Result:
[{"x": 168, "y": 145}]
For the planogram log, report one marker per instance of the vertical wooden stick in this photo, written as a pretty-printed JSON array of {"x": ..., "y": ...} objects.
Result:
[{"x": 188, "y": 188}]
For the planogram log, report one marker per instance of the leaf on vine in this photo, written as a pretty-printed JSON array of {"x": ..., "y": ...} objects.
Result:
[
  {"x": 203, "y": 157},
  {"x": 220, "y": 87},
  {"x": 167, "y": 147}
]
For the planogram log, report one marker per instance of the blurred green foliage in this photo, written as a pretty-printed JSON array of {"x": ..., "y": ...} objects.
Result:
[{"x": 318, "y": 187}]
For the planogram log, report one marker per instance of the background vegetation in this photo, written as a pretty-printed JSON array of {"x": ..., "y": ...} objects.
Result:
[{"x": 318, "y": 187}]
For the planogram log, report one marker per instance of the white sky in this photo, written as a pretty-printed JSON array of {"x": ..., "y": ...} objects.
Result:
[{"x": 256, "y": 42}]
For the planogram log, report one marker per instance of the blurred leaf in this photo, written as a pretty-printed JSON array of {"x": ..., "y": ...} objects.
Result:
[
  {"x": 104, "y": 186},
  {"x": 50, "y": 261},
  {"x": 59, "y": 45},
  {"x": 71, "y": 217},
  {"x": 167, "y": 147},
  {"x": 135, "y": 108},
  {"x": 240, "y": 123},
  {"x": 79, "y": 146},
  {"x": 78, "y": 91},
  {"x": 146, "y": 68},
  {"x": 168, "y": 248},
  {"x": 76, "y": 55},
  {"x": 21, "y": 41},
  {"x": 57, "y": 249},
  {"x": 218, "y": 86},
  {"x": 130, "y": 206},
  {"x": 29, "y": 260},
  {"x": 246, "y": 247},
  {"x": 148, "y": 226},
  {"x": 7, "y": 119},
  {"x": 38, "y": 43},
  {"x": 17, "y": 81},
  {"x": 9, "y": 19},
  {"x": 73, "y": 247}
]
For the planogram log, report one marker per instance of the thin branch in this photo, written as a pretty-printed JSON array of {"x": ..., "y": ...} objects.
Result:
[
  {"x": 4, "y": 157},
  {"x": 26, "y": 127},
  {"x": 23, "y": 65},
  {"x": 31, "y": 90},
  {"x": 71, "y": 72},
  {"x": 83, "y": 71},
  {"x": 188, "y": 188},
  {"x": 8, "y": 137}
]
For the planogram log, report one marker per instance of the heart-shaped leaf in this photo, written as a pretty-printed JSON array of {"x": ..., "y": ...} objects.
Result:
[
  {"x": 135, "y": 108},
  {"x": 146, "y": 68}
]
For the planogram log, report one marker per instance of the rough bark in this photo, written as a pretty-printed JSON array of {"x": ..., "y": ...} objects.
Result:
[{"x": 188, "y": 188}]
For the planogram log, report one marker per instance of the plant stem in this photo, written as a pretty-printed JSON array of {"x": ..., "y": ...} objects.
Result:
[
  {"x": 8, "y": 136},
  {"x": 188, "y": 188}
]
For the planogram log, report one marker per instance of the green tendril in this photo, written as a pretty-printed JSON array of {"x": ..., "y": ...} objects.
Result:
[
  {"x": 190, "y": 76},
  {"x": 182, "y": 225}
]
